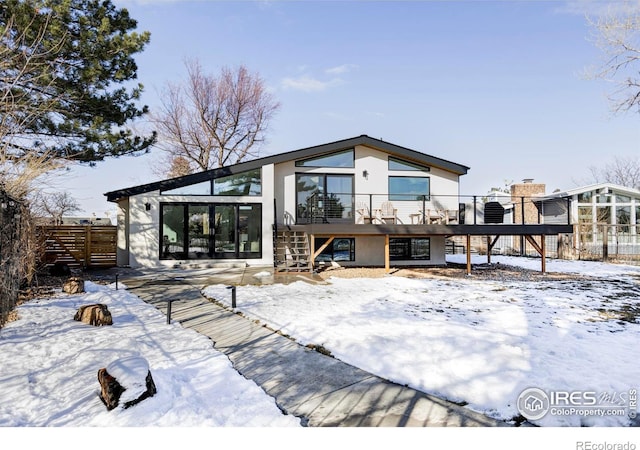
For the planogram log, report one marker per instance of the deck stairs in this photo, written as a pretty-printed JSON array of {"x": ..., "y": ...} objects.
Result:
[{"x": 292, "y": 251}]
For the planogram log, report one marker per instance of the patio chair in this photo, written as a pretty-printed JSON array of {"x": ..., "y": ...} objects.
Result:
[
  {"x": 364, "y": 216},
  {"x": 388, "y": 212},
  {"x": 451, "y": 216}
]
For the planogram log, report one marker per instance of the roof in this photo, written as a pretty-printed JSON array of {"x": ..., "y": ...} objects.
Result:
[
  {"x": 593, "y": 187},
  {"x": 303, "y": 153}
]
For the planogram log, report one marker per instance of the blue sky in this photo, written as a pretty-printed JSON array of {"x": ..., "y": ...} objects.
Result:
[{"x": 498, "y": 86}]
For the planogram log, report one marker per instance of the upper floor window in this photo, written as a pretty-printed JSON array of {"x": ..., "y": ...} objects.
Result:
[
  {"x": 202, "y": 188},
  {"x": 399, "y": 164},
  {"x": 585, "y": 197},
  {"x": 244, "y": 183},
  {"x": 408, "y": 188},
  {"x": 343, "y": 159}
]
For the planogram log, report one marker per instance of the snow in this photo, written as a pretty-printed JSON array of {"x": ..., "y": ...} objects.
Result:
[
  {"x": 470, "y": 340},
  {"x": 48, "y": 375},
  {"x": 131, "y": 373},
  {"x": 464, "y": 339}
]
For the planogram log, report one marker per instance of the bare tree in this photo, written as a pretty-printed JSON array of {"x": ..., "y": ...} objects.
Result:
[
  {"x": 624, "y": 171},
  {"x": 55, "y": 205},
  {"x": 617, "y": 34},
  {"x": 214, "y": 121}
]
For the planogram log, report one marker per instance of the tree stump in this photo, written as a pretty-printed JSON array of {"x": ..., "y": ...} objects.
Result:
[
  {"x": 74, "y": 285},
  {"x": 126, "y": 381},
  {"x": 96, "y": 315}
]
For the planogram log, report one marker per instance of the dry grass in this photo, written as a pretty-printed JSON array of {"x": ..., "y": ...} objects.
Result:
[{"x": 496, "y": 272}]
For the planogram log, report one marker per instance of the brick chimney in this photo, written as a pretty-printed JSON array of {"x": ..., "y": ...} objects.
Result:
[{"x": 526, "y": 189}]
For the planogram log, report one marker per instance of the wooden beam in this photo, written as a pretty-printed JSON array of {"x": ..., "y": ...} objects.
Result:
[
  {"x": 322, "y": 247},
  {"x": 533, "y": 243},
  {"x": 468, "y": 254},
  {"x": 387, "y": 267},
  {"x": 490, "y": 245}
]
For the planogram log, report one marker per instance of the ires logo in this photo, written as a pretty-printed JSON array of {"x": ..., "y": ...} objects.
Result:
[{"x": 534, "y": 403}]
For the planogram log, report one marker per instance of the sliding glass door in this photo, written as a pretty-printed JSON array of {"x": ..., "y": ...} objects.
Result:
[{"x": 211, "y": 231}]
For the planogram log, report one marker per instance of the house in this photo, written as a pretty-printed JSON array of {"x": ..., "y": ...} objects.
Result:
[
  {"x": 597, "y": 210},
  {"x": 358, "y": 201}
]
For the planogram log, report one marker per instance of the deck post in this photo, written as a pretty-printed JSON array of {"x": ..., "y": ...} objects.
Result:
[
  {"x": 468, "y": 254},
  {"x": 312, "y": 255},
  {"x": 544, "y": 253},
  {"x": 488, "y": 249},
  {"x": 387, "y": 269}
]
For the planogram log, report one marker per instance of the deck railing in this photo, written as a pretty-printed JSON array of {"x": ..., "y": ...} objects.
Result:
[{"x": 411, "y": 209}]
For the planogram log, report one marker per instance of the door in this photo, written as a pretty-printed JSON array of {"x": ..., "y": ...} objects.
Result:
[{"x": 238, "y": 231}]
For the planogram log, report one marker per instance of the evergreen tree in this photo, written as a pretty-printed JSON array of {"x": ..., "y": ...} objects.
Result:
[{"x": 66, "y": 79}]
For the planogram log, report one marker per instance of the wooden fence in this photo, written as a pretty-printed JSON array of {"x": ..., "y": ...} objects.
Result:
[{"x": 87, "y": 246}]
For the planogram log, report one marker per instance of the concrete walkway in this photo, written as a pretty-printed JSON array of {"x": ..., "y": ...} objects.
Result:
[{"x": 319, "y": 389}]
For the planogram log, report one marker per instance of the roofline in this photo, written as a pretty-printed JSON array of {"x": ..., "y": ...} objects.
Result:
[
  {"x": 303, "y": 153},
  {"x": 590, "y": 187}
]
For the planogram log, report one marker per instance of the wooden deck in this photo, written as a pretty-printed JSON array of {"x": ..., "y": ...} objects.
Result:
[{"x": 491, "y": 231}]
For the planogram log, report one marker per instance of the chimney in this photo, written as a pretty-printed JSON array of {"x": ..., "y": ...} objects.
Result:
[{"x": 526, "y": 189}]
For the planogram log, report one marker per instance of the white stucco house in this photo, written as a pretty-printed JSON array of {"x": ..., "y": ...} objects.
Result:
[{"x": 358, "y": 201}]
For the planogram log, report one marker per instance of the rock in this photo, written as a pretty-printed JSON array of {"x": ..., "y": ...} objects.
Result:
[
  {"x": 126, "y": 381},
  {"x": 73, "y": 285},
  {"x": 97, "y": 315}
]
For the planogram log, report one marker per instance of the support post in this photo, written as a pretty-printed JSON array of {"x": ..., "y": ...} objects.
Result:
[
  {"x": 488, "y": 249},
  {"x": 468, "y": 254},
  {"x": 312, "y": 253},
  {"x": 605, "y": 244},
  {"x": 475, "y": 210},
  {"x": 544, "y": 253},
  {"x": 387, "y": 267}
]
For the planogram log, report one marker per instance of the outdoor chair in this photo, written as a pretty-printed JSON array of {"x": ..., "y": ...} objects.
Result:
[
  {"x": 364, "y": 216},
  {"x": 388, "y": 212}
]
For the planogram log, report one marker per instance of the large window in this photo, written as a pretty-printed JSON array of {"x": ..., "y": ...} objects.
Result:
[
  {"x": 340, "y": 249},
  {"x": 202, "y": 188},
  {"x": 344, "y": 158},
  {"x": 205, "y": 231},
  {"x": 173, "y": 232},
  {"x": 399, "y": 164},
  {"x": 408, "y": 188},
  {"x": 245, "y": 183},
  {"x": 403, "y": 249},
  {"x": 324, "y": 198}
]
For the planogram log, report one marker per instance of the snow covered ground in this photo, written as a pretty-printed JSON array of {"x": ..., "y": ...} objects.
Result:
[
  {"x": 48, "y": 373},
  {"x": 474, "y": 341},
  {"x": 469, "y": 340}
]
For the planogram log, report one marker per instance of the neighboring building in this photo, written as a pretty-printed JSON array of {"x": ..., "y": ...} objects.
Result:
[
  {"x": 597, "y": 210},
  {"x": 86, "y": 221},
  {"x": 359, "y": 201},
  {"x": 75, "y": 221}
]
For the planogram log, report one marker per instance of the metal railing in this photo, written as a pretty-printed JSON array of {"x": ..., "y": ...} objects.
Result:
[{"x": 337, "y": 207}]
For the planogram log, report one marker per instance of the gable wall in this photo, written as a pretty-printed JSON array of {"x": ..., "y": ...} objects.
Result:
[{"x": 443, "y": 184}]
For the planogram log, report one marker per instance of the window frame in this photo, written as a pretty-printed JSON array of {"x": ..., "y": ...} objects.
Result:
[
  {"x": 302, "y": 162},
  {"x": 396, "y": 196},
  {"x": 408, "y": 243},
  {"x": 212, "y": 254}
]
